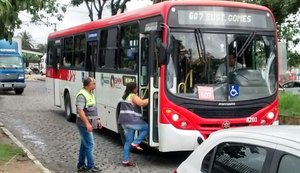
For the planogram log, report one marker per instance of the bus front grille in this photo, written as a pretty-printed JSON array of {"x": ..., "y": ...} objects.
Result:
[
  {"x": 8, "y": 77},
  {"x": 225, "y": 113}
]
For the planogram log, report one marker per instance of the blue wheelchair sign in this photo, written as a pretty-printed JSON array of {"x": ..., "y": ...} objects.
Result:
[{"x": 234, "y": 90}]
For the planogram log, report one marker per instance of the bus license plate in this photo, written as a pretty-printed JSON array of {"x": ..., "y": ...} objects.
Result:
[{"x": 7, "y": 85}]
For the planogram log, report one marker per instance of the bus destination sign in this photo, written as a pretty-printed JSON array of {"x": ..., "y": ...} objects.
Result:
[{"x": 222, "y": 17}]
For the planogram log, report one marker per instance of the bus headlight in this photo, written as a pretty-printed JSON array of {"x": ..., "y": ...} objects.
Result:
[
  {"x": 177, "y": 120},
  {"x": 270, "y": 115},
  {"x": 175, "y": 117}
]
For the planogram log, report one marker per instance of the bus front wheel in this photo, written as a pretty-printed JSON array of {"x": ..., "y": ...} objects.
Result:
[{"x": 68, "y": 109}]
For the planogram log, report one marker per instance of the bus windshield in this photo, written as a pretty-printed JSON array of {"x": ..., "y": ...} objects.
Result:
[
  {"x": 10, "y": 62},
  {"x": 222, "y": 66}
]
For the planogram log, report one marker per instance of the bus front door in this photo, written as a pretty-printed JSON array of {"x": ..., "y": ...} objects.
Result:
[{"x": 149, "y": 85}]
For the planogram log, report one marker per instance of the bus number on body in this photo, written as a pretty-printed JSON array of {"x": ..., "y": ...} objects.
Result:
[{"x": 251, "y": 119}]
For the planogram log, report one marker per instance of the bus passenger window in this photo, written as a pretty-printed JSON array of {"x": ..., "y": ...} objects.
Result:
[
  {"x": 79, "y": 51},
  {"x": 129, "y": 47},
  {"x": 68, "y": 52}
]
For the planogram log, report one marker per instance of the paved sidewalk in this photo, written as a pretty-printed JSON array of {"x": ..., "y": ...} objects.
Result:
[{"x": 29, "y": 154}]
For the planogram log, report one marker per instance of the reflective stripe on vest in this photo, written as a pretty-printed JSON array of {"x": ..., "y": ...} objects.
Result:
[
  {"x": 89, "y": 97},
  {"x": 127, "y": 108}
]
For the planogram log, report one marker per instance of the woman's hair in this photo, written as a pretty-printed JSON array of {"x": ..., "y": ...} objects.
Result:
[{"x": 129, "y": 89}]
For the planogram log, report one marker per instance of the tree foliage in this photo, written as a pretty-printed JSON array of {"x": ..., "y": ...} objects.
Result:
[
  {"x": 9, "y": 11},
  {"x": 42, "y": 47},
  {"x": 118, "y": 6},
  {"x": 99, "y": 5},
  {"x": 29, "y": 58},
  {"x": 27, "y": 42},
  {"x": 293, "y": 59}
]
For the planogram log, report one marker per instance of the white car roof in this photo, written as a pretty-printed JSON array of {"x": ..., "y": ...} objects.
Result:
[{"x": 284, "y": 132}]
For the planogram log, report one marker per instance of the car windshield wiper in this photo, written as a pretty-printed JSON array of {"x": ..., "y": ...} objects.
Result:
[
  {"x": 200, "y": 44},
  {"x": 246, "y": 44}
]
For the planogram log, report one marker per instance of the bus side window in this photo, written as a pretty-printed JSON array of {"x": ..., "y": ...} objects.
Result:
[
  {"x": 129, "y": 47},
  {"x": 68, "y": 52},
  {"x": 108, "y": 48},
  {"x": 79, "y": 50}
]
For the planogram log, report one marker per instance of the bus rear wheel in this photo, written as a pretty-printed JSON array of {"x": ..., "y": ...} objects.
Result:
[
  {"x": 68, "y": 109},
  {"x": 19, "y": 91}
]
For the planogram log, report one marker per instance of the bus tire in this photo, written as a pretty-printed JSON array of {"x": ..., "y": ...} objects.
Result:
[
  {"x": 19, "y": 91},
  {"x": 68, "y": 108}
]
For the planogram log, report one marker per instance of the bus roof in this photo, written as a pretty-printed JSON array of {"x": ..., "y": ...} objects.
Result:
[{"x": 146, "y": 12}]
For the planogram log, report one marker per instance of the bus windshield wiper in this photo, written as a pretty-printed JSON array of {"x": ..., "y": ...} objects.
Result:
[
  {"x": 200, "y": 44},
  {"x": 246, "y": 44}
]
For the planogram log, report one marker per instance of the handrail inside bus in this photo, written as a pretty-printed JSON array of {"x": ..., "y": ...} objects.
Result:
[
  {"x": 145, "y": 91},
  {"x": 188, "y": 76}
]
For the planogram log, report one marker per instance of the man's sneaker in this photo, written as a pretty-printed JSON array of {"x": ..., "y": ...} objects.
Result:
[
  {"x": 94, "y": 169},
  {"x": 136, "y": 146},
  {"x": 81, "y": 168}
]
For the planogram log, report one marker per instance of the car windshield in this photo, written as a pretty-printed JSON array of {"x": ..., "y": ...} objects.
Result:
[
  {"x": 222, "y": 67},
  {"x": 10, "y": 62}
]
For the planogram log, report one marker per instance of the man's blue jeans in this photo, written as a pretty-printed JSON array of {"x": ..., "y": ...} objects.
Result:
[
  {"x": 129, "y": 130},
  {"x": 86, "y": 148}
]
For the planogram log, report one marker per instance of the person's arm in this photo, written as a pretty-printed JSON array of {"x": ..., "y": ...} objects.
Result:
[{"x": 138, "y": 101}]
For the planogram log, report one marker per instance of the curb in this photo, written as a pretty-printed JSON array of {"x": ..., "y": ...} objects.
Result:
[{"x": 30, "y": 156}]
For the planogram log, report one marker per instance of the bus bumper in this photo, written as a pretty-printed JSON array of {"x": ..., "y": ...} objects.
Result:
[
  {"x": 173, "y": 139},
  {"x": 11, "y": 85}
]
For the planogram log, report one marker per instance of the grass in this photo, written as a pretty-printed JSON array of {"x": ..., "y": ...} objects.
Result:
[
  {"x": 289, "y": 104},
  {"x": 7, "y": 152}
]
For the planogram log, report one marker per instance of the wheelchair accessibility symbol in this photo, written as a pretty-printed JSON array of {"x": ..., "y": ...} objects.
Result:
[{"x": 234, "y": 90}]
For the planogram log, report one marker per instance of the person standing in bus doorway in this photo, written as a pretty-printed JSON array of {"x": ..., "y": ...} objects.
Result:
[
  {"x": 87, "y": 119},
  {"x": 131, "y": 120}
]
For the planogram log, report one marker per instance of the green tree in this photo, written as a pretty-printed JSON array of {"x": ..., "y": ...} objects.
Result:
[
  {"x": 42, "y": 47},
  {"x": 9, "y": 10},
  {"x": 27, "y": 42},
  {"x": 293, "y": 59},
  {"x": 29, "y": 58},
  {"x": 118, "y": 5}
]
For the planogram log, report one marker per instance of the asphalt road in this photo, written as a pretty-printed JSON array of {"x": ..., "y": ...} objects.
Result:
[{"x": 43, "y": 129}]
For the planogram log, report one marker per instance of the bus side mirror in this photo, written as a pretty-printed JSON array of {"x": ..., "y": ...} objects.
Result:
[{"x": 162, "y": 54}]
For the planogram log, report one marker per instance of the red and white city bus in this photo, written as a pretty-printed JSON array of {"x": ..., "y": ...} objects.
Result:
[{"x": 173, "y": 50}]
